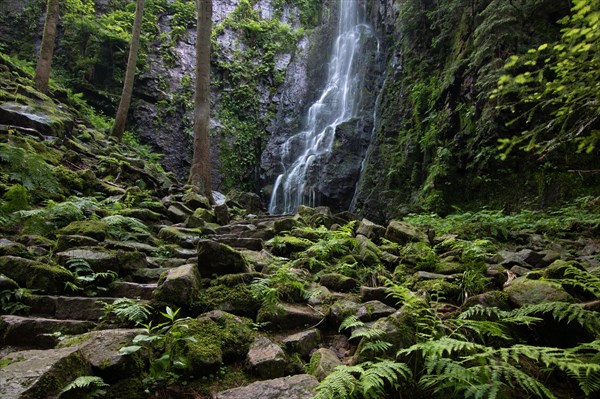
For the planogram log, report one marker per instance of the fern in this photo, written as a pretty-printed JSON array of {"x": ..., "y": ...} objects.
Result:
[
  {"x": 581, "y": 279},
  {"x": 125, "y": 228},
  {"x": 564, "y": 311},
  {"x": 126, "y": 311},
  {"x": 350, "y": 322},
  {"x": 86, "y": 387},
  {"x": 86, "y": 279}
]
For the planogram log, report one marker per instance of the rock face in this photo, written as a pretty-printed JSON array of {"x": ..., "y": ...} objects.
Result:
[
  {"x": 267, "y": 359},
  {"x": 180, "y": 286},
  {"x": 295, "y": 387},
  {"x": 219, "y": 259}
]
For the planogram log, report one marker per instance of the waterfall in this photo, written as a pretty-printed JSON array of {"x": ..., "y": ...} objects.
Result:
[{"x": 336, "y": 104}]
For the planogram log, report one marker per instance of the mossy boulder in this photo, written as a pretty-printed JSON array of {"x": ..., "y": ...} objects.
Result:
[
  {"x": 288, "y": 245},
  {"x": 219, "y": 259},
  {"x": 194, "y": 201},
  {"x": 322, "y": 363},
  {"x": 370, "y": 230},
  {"x": 142, "y": 214},
  {"x": 236, "y": 299},
  {"x": 219, "y": 337},
  {"x": 64, "y": 242},
  {"x": 403, "y": 233},
  {"x": 95, "y": 229},
  {"x": 8, "y": 247},
  {"x": 444, "y": 288},
  {"x": 103, "y": 260},
  {"x": 179, "y": 286},
  {"x": 522, "y": 291},
  {"x": 30, "y": 274},
  {"x": 399, "y": 329},
  {"x": 495, "y": 299},
  {"x": 338, "y": 282},
  {"x": 267, "y": 359},
  {"x": 340, "y": 310},
  {"x": 186, "y": 238}
]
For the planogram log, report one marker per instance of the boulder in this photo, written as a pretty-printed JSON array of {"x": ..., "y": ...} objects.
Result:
[
  {"x": 44, "y": 117},
  {"x": 267, "y": 359},
  {"x": 7, "y": 284},
  {"x": 65, "y": 242},
  {"x": 38, "y": 332},
  {"x": 120, "y": 289},
  {"x": 368, "y": 252},
  {"x": 143, "y": 214},
  {"x": 492, "y": 299},
  {"x": 251, "y": 202},
  {"x": 103, "y": 260},
  {"x": 95, "y": 229},
  {"x": 403, "y": 233},
  {"x": 27, "y": 273},
  {"x": 303, "y": 342},
  {"x": 322, "y": 363},
  {"x": 377, "y": 294},
  {"x": 219, "y": 259},
  {"x": 194, "y": 200},
  {"x": 370, "y": 230},
  {"x": 222, "y": 215},
  {"x": 290, "y": 316},
  {"x": 236, "y": 299},
  {"x": 300, "y": 386},
  {"x": 285, "y": 224},
  {"x": 101, "y": 350},
  {"x": 186, "y": 238},
  {"x": 8, "y": 247},
  {"x": 338, "y": 282},
  {"x": 373, "y": 310},
  {"x": 40, "y": 373},
  {"x": 178, "y": 213},
  {"x": 399, "y": 329},
  {"x": 179, "y": 286},
  {"x": 131, "y": 246},
  {"x": 341, "y": 309},
  {"x": 522, "y": 291}
]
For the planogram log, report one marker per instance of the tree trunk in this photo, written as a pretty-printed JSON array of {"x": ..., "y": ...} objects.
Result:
[
  {"x": 121, "y": 117},
  {"x": 200, "y": 175},
  {"x": 44, "y": 64}
]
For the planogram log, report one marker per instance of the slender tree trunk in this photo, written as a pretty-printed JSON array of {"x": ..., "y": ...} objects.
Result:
[
  {"x": 44, "y": 64},
  {"x": 200, "y": 172},
  {"x": 121, "y": 117}
]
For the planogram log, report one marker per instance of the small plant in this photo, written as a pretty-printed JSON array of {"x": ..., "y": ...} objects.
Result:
[
  {"x": 471, "y": 282},
  {"x": 85, "y": 387},
  {"x": 11, "y": 301},
  {"x": 87, "y": 281},
  {"x": 126, "y": 311},
  {"x": 164, "y": 362},
  {"x": 370, "y": 336},
  {"x": 125, "y": 228}
]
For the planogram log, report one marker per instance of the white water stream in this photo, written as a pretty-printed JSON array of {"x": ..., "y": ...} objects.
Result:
[{"x": 337, "y": 104}]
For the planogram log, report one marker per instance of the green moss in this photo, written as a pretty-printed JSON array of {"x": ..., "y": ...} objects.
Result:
[
  {"x": 237, "y": 299},
  {"x": 95, "y": 229},
  {"x": 314, "y": 363},
  {"x": 286, "y": 245}
]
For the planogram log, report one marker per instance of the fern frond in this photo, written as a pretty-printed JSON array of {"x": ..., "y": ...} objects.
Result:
[
  {"x": 484, "y": 328},
  {"x": 340, "y": 384},
  {"x": 367, "y": 333},
  {"x": 350, "y": 322},
  {"x": 92, "y": 385},
  {"x": 564, "y": 311},
  {"x": 445, "y": 345},
  {"x": 377, "y": 346},
  {"x": 376, "y": 375},
  {"x": 581, "y": 279}
]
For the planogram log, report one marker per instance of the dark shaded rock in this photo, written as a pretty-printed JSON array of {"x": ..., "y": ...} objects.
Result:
[
  {"x": 194, "y": 200},
  {"x": 520, "y": 270},
  {"x": 131, "y": 246},
  {"x": 180, "y": 286},
  {"x": 103, "y": 260},
  {"x": 222, "y": 215},
  {"x": 45, "y": 118},
  {"x": 338, "y": 282},
  {"x": 267, "y": 359},
  {"x": 303, "y": 342},
  {"x": 219, "y": 259},
  {"x": 285, "y": 224},
  {"x": 403, "y": 233},
  {"x": 399, "y": 329},
  {"x": 251, "y": 202},
  {"x": 491, "y": 299},
  {"x": 36, "y": 332},
  {"x": 7, "y": 283},
  {"x": 300, "y": 386},
  {"x": 186, "y": 238},
  {"x": 178, "y": 213},
  {"x": 8, "y": 247},
  {"x": 143, "y": 214},
  {"x": 376, "y": 294},
  {"x": 67, "y": 307},
  {"x": 290, "y": 316},
  {"x": 253, "y": 244},
  {"x": 422, "y": 275},
  {"x": 322, "y": 363},
  {"x": 374, "y": 310},
  {"x": 340, "y": 310},
  {"x": 40, "y": 373}
]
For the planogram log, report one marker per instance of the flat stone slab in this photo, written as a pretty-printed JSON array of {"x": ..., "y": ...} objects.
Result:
[
  {"x": 120, "y": 289},
  {"x": 267, "y": 358},
  {"x": 300, "y": 386},
  {"x": 303, "y": 342},
  {"x": 293, "y": 316},
  {"x": 65, "y": 307},
  {"x": 40, "y": 373},
  {"x": 29, "y": 331},
  {"x": 373, "y": 310}
]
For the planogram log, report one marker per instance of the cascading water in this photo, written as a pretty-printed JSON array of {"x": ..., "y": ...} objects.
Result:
[{"x": 337, "y": 104}]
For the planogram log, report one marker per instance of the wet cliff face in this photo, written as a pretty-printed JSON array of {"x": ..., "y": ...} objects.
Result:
[{"x": 437, "y": 129}]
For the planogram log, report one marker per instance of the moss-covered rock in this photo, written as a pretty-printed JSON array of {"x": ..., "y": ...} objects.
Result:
[
  {"x": 27, "y": 273},
  {"x": 399, "y": 329},
  {"x": 186, "y": 238},
  {"x": 102, "y": 259},
  {"x": 64, "y": 242},
  {"x": 219, "y": 259},
  {"x": 143, "y": 214},
  {"x": 338, "y": 282},
  {"x": 322, "y": 363},
  {"x": 287, "y": 245},
  {"x": 402, "y": 233},
  {"x": 179, "y": 286},
  {"x": 441, "y": 288},
  {"x": 236, "y": 299},
  {"x": 522, "y": 291},
  {"x": 496, "y": 299},
  {"x": 95, "y": 229}
]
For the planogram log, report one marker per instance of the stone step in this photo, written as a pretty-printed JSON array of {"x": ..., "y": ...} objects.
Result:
[
  {"x": 300, "y": 386},
  {"x": 122, "y": 289},
  {"x": 66, "y": 307},
  {"x": 39, "y": 332},
  {"x": 253, "y": 244}
]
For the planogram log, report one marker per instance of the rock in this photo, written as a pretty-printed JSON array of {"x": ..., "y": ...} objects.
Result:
[
  {"x": 376, "y": 294},
  {"x": 37, "y": 332},
  {"x": 319, "y": 295},
  {"x": 143, "y": 214},
  {"x": 180, "y": 286},
  {"x": 178, "y": 213},
  {"x": 290, "y": 316},
  {"x": 522, "y": 292},
  {"x": 236, "y": 299},
  {"x": 7, "y": 284},
  {"x": 449, "y": 267},
  {"x": 40, "y": 373},
  {"x": 44, "y": 117},
  {"x": 315, "y": 217},
  {"x": 491, "y": 299},
  {"x": 338, "y": 282},
  {"x": 131, "y": 246},
  {"x": 195, "y": 201},
  {"x": 530, "y": 257},
  {"x": 403, "y": 233},
  {"x": 549, "y": 257},
  {"x": 303, "y": 342},
  {"x": 341, "y": 309},
  {"x": 49, "y": 279},
  {"x": 101, "y": 350},
  {"x": 253, "y": 244},
  {"x": 374, "y": 310},
  {"x": 251, "y": 202},
  {"x": 285, "y": 224},
  {"x": 520, "y": 270},
  {"x": 509, "y": 259},
  {"x": 67, "y": 307},
  {"x": 367, "y": 250},
  {"x": 399, "y": 329},
  {"x": 122, "y": 289},
  {"x": 186, "y": 238},
  {"x": 103, "y": 260},
  {"x": 65, "y": 242},
  {"x": 300, "y": 386},
  {"x": 8, "y": 247},
  {"x": 422, "y": 275},
  {"x": 371, "y": 230},
  {"x": 267, "y": 359},
  {"x": 322, "y": 363},
  {"x": 207, "y": 215},
  {"x": 219, "y": 337},
  {"x": 222, "y": 215},
  {"x": 219, "y": 259},
  {"x": 95, "y": 229}
]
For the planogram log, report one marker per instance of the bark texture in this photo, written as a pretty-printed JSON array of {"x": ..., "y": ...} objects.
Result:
[{"x": 44, "y": 64}]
